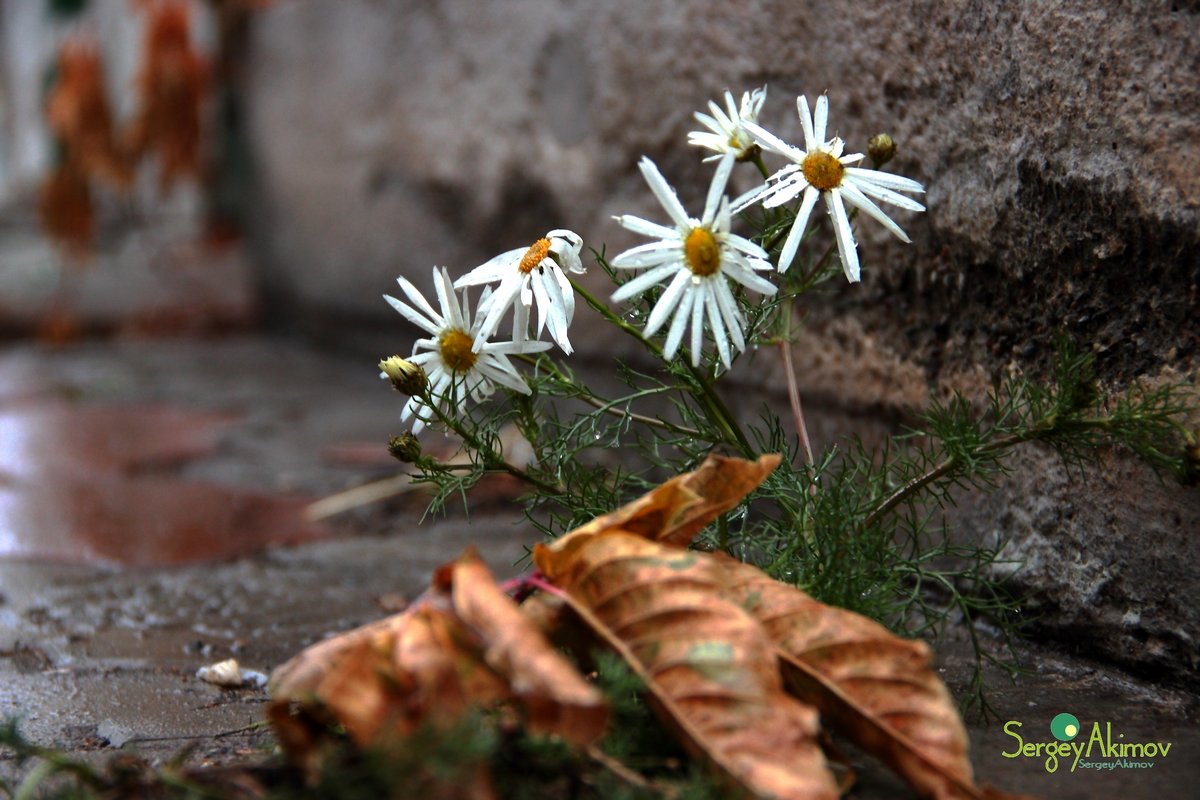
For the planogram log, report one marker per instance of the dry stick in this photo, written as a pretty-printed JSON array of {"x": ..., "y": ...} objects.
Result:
[
  {"x": 625, "y": 773},
  {"x": 253, "y": 726},
  {"x": 366, "y": 494}
]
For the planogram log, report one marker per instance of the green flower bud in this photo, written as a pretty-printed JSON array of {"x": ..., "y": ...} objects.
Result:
[
  {"x": 405, "y": 376},
  {"x": 881, "y": 149},
  {"x": 404, "y": 447}
]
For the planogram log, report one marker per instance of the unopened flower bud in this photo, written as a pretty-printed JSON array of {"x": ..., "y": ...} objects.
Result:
[
  {"x": 881, "y": 149},
  {"x": 405, "y": 376},
  {"x": 404, "y": 447}
]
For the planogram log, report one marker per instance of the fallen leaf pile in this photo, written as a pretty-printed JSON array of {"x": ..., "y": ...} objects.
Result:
[{"x": 744, "y": 671}]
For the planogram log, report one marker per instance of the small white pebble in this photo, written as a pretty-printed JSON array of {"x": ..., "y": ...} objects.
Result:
[{"x": 229, "y": 674}]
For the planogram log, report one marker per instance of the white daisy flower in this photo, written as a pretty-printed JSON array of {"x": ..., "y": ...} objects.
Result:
[
  {"x": 525, "y": 274},
  {"x": 726, "y": 133},
  {"x": 698, "y": 255},
  {"x": 821, "y": 169},
  {"x": 458, "y": 362}
]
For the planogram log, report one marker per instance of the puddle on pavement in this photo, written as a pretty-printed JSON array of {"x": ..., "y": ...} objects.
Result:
[{"x": 96, "y": 484}]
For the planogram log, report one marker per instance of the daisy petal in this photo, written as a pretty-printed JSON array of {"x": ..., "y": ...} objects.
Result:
[
  {"x": 493, "y": 269},
  {"x": 713, "y": 312},
  {"x": 645, "y": 227},
  {"x": 886, "y": 195},
  {"x": 750, "y": 279},
  {"x": 665, "y": 194},
  {"x": 445, "y": 294},
  {"x": 698, "y": 322},
  {"x": 796, "y": 234},
  {"x": 675, "y": 334},
  {"x": 845, "y": 237},
  {"x": 820, "y": 118},
  {"x": 773, "y": 143},
  {"x": 733, "y": 318},
  {"x": 667, "y": 301},
  {"x": 418, "y": 299},
  {"x": 784, "y": 193},
  {"x": 411, "y": 315},
  {"x": 887, "y": 179},
  {"x": 749, "y": 198},
  {"x": 643, "y": 282},
  {"x": 716, "y": 189},
  {"x": 811, "y": 142},
  {"x": 745, "y": 245},
  {"x": 857, "y": 198},
  {"x": 543, "y": 302}
]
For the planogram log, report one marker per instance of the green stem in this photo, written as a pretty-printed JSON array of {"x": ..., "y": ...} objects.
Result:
[
  {"x": 758, "y": 162},
  {"x": 607, "y": 405},
  {"x": 1041, "y": 430},
  {"x": 718, "y": 413},
  {"x": 612, "y": 317},
  {"x": 490, "y": 459}
]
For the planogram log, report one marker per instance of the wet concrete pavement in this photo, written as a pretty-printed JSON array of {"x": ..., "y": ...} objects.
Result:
[{"x": 95, "y": 656}]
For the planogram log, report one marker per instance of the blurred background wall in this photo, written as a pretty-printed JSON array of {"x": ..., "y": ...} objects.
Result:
[{"x": 1057, "y": 142}]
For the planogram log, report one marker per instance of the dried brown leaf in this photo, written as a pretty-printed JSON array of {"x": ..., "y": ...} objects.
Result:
[
  {"x": 380, "y": 682},
  {"x": 554, "y": 695},
  {"x": 708, "y": 665},
  {"x": 877, "y": 689},
  {"x": 462, "y": 644},
  {"x": 677, "y": 510}
]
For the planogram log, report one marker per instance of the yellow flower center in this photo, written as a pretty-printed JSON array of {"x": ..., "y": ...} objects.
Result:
[
  {"x": 455, "y": 348},
  {"x": 536, "y": 253},
  {"x": 702, "y": 252},
  {"x": 822, "y": 170}
]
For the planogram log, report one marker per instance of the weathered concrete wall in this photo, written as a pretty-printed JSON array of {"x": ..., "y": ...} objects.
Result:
[{"x": 1058, "y": 143}]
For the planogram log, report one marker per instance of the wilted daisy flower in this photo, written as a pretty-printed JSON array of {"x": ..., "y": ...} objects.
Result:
[
  {"x": 527, "y": 273},
  {"x": 458, "y": 362},
  {"x": 821, "y": 169},
  {"x": 698, "y": 255},
  {"x": 725, "y": 132}
]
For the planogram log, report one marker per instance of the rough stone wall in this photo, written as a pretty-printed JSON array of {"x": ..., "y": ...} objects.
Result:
[{"x": 1057, "y": 141}]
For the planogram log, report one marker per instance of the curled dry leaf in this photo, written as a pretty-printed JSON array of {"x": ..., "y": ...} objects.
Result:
[
  {"x": 876, "y": 688},
  {"x": 708, "y": 666},
  {"x": 379, "y": 682},
  {"x": 554, "y": 695},
  {"x": 677, "y": 510},
  {"x": 462, "y": 644},
  {"x": 872, "y": 686}
]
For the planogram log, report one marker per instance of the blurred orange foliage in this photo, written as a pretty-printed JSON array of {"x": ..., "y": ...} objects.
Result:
[
  {"x": 172, "y": 85},
  {"x": 79, "y": 115},
  {"x": 65, "y": 210}
]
